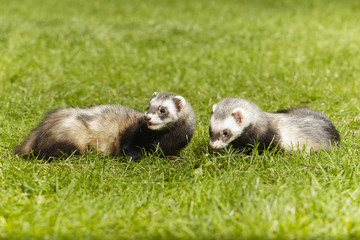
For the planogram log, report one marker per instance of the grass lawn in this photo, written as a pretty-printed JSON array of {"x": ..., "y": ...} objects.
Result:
[{"x": 277, "y": 53}]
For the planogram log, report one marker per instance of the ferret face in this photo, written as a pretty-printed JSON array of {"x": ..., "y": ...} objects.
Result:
[
  {"x": 163, "y": 110},
  {"x": 225, "y": 127}
]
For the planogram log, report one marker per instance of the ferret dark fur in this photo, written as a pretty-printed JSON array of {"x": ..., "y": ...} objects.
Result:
[
  {"x": 243, "y": 124},
  {"x": 111, "y": 129}
]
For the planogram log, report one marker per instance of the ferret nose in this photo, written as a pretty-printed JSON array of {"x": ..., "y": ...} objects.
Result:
[
  {"x": 212, "y": 146},
  {"x": 147, "y": 118}
]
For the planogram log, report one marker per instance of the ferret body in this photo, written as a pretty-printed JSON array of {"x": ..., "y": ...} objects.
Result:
[
  {"x": 114, "y": 130},
  {"x": 243, "y": 124}
]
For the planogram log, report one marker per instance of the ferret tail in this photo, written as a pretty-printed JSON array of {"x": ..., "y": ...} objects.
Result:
[{"x": 26, "y": 147}]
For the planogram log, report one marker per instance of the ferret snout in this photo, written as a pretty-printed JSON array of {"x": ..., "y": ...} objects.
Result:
[
  {"x": 217, "y": 144},
  {"x": 147, "y": 118},
  {"x": 212, "y": 146}
]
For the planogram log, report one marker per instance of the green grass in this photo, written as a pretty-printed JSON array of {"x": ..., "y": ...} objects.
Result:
[{"x": 278, "y": 54}]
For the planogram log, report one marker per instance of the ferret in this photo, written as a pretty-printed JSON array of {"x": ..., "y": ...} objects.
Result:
[
  {"x": 166, "y": 127},
  {"x": 243, "y": 124}
]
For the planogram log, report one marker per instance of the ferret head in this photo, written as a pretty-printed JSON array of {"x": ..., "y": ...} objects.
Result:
[
  {"x": 164, "y": 109},
  {"x": 229, "y": 118}
]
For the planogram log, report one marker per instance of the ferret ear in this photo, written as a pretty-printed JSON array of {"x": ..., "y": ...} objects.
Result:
[
  {"x": 237, "y": 115},
  {"x": 213, "y": 109},
  {"x": 153, "y": 95},
  {"x": 180, "y": 102}
]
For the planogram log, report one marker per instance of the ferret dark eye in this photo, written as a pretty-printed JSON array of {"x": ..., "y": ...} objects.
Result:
[
  {"x": 225, "y": 132},
  {"x": 147, "y": 108},
  {"x": 162, "y": 110}
]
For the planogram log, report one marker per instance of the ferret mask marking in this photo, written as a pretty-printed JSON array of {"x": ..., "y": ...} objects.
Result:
[
  {"x": 234, "y": 124},
  {"x": 218, "y": 138},
  {"x": 162, "y": 112}
]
